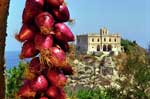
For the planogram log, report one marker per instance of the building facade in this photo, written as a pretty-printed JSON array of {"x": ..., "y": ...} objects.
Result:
[{"x": 102, "y": 42}]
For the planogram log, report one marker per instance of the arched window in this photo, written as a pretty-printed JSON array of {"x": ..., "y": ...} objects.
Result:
[
  {"x": 109, "y": 47},
  {"x": 92, "y": 39},
  {"x": 104, "y": 39},
  {"x": 98, "y": 47},
  {"x": 109, "y": 39},
  {"x": 104, "y": 48},
  {"x": 115, "y": 40},
  {"x": 98, "y": 40}
]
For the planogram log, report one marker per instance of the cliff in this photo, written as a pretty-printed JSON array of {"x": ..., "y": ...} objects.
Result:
[{"x": 107, "y": 71}]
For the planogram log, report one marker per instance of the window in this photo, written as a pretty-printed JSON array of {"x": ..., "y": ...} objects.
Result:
[
  {"x": 109, "y": 39},
  {"x": 97, "y": 40},
  {"x": 92, "y": 39},
  {"x": 104, "y": 39},
  {"x": 115, "y": 40}
]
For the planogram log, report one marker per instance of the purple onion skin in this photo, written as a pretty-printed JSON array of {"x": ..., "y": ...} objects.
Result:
[
  {"x": 44, "y": 22},
  {"x": 39, "y": 84},
  {"x": 43, "y": 41},
  {"x": 32, "y": 8},
  {"x": 27, "y": 32},
  {"x": 63, "y": 33},
  {"x": 61, "y": 14},
  {"x": 55, "y": 3},
  {"x": 28, "y": 50},
  {"x": 38, "y": 3}
]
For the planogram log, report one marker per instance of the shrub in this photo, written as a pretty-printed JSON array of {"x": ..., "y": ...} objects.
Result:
[{"x": 14, "y": 77}]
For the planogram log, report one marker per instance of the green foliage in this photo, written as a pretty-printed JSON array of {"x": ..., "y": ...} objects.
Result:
[
  {"x": 14, "y": 77},
  {"x": 91, "y": 94},
  {"x": 142, "y": 74},
  {"x": 110, "y": 93},
  {"x": 128, "y": 45}
]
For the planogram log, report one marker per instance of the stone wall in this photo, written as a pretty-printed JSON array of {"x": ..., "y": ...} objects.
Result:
[{"x": 93, "y": 72}]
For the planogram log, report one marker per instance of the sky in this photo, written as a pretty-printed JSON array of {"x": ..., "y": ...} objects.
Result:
[{"x": 129, "y": 18}]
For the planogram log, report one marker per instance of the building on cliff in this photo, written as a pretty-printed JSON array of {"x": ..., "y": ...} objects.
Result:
[{"x": 102, "y": 42}]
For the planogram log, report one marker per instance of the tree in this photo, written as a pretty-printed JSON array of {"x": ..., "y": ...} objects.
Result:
[{"x": 4, "y": 6}]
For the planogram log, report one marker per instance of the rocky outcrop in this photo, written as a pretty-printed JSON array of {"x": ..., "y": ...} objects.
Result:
[{"x": 93, "y": 72}]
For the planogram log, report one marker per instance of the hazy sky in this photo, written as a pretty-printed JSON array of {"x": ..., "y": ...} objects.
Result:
[{"x": 130, "y": 18}]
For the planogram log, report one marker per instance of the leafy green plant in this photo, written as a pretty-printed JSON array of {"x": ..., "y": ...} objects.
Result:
[
  {"x": 14, "y": 78},
  {"x": 128, "y": 45}
]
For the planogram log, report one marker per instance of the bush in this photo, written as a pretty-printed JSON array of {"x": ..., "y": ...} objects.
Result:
[
  {"x": 14, "y": 77},
  {"x": 128, "y": 45}
]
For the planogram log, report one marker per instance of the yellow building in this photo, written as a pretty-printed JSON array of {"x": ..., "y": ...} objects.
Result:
[{"x": 102, "y": 42}]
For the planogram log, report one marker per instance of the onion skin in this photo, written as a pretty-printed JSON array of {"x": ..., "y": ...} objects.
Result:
[
  {"x": 53, "y": 92},
  {"x": 63, "y": 33},
  {"x": 56, "y": 78},
  {"x": 62, "y": 14},
  {"x": 43, "y": 42},
  {"x": 55, "y": 3},
  {"x": 52, "y": 76},
  {"x": 37, "y": 3},
  {"x": 43, "y": 98},
  {"x": 32, "y": 8},
  {"x": 27, "y": 32},
  {"x": 62, "y": 80},
  {"x": 40, "y": 84},
  {"x": 28, "y": 50},
  {"x": 35, "y": 66},
  {"x": 67, "y": 70},
  {"x": 64, "y": 46},
  {"x": 54, "y": 57},
  {"x": 62, "y": 94},
  {"x": 44, "y": 22},
  {"x": 56, "y": 93},
  {"x": 26, "y": 91},
  {"x": 58, "y": 53}
]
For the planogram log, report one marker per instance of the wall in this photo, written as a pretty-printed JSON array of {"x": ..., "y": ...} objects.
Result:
[
  {"x": 82, "y": 43},
  {"x": 93, "y": 73}
]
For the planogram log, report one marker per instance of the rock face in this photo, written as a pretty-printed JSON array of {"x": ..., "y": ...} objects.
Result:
[{"x": 93, "y": 72}]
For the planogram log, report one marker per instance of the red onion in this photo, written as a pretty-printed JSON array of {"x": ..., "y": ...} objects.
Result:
[
  {"x": 62, "y": 80},
  {"x": 27, "y": 75},
  {"x": 52, "y": 76},
  {"x": 62, "y": 14},
  {"x": 56, "y": 78},
  {"x": 26, "y": 91},
  {"x": 55, "y": 3},
  {"x": 32, "y": 8},
  {"x": 28, "y": 50},
  {"x": 43, "y": 42},
  {"x": 40, "y": 84},
  {"x": 63, "y": 33},
  {"x": 62, "y": 94},
  {"x": 27, "y": 32},
  {"x": 58, "y": 53},
  {"x": 54, "y": 57},
  {"x": 53, "y": 92},
  {"x": 45, "y": 22},
  {"x": 64, "y": 46},
  {"x": 37, "y": 3},
  {"x": 67, "y": 70},
  {"x": 44, "y": 98},
  {"x": 35, "y": 66}
]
